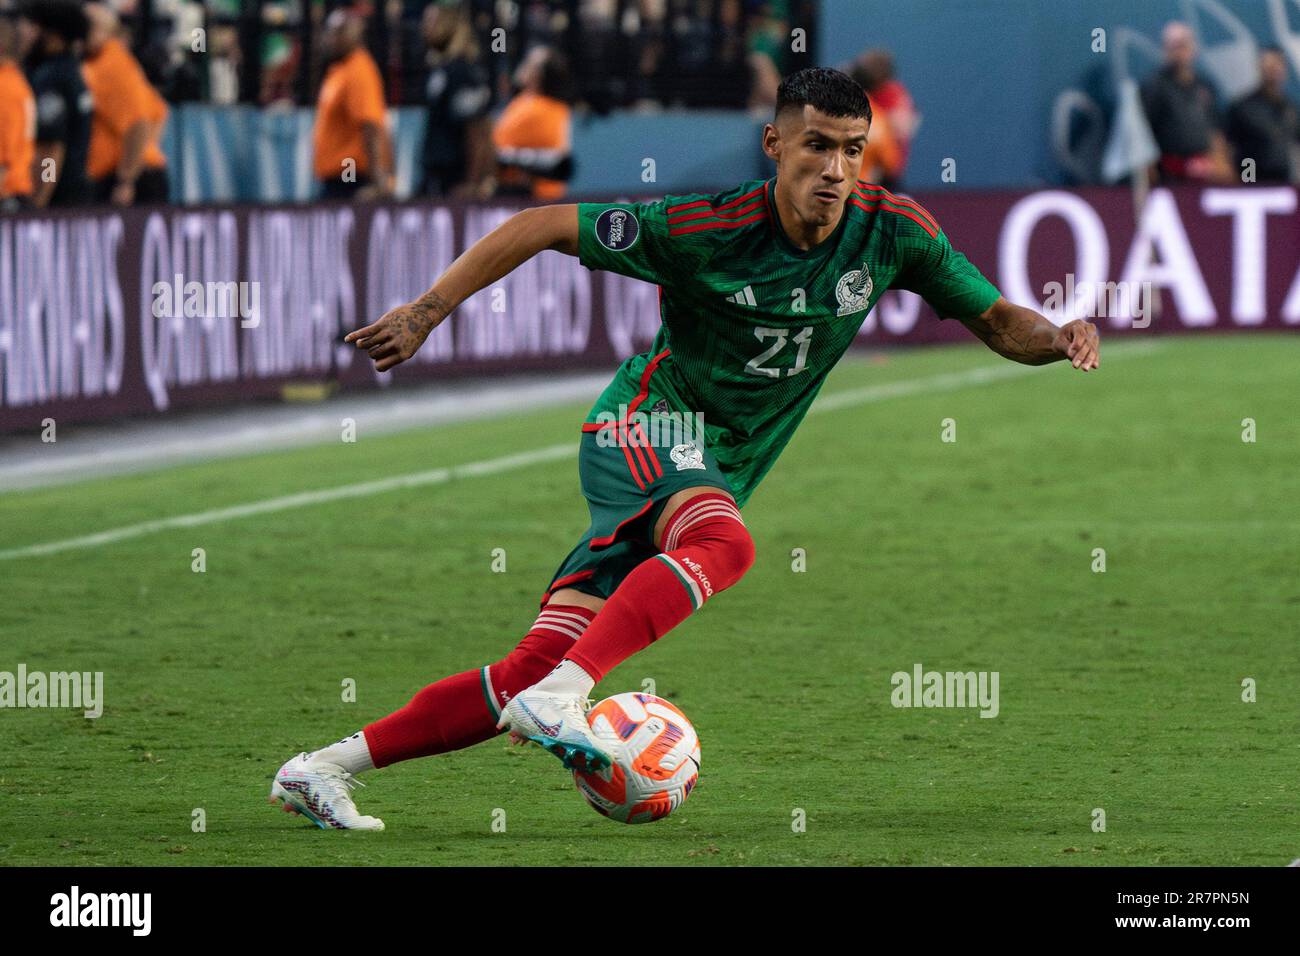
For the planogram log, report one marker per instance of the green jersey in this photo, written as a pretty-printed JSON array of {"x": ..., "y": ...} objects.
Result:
[{"x": 751, "y": 324}]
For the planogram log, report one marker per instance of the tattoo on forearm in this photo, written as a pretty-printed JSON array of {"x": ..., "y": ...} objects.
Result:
[{"x": 426, "y": 312}]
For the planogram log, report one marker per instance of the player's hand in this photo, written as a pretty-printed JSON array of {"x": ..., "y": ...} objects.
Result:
[
  {"x": 400, "y": 332},
  {"x": 1079, "y": 342}
]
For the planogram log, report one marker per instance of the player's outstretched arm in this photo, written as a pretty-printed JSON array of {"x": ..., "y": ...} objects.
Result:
[
  {"x": 399, "y": 332},
  {"x": 1023, "y": 335}
]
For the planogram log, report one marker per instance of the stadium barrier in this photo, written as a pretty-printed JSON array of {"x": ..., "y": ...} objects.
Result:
[
  {"x": 106, "y": 314},
  {"x": 233, "y": 154}
]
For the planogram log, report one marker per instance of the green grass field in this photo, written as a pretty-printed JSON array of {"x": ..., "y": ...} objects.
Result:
[{"x": 1119, "y": 690}]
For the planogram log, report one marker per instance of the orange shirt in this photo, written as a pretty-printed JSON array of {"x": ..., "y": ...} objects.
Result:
[
  {"x": 17, "y": 130},
  {"x": 122, "y": 97},
  {"x": 351, "y": 95},
  {"x": 882, "y": 158},
  {"x": 533, "y": 121}
]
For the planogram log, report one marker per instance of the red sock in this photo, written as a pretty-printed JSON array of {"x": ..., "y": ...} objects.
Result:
[
  {"x": 706, "y": 550},
  {"x": 463, "y": 709}
]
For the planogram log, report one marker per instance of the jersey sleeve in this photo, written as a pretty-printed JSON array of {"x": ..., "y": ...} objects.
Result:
[
  {"x": 938, "y": 273},
  {"x": 635, "y": 239}
]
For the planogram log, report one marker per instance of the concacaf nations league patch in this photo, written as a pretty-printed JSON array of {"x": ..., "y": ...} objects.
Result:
[{"x": 617, "y": 230}]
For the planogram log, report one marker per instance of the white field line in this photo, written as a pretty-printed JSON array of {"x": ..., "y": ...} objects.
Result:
[
  {"x": 150, "y": 445},
  {"x": 492, "y": 466}
]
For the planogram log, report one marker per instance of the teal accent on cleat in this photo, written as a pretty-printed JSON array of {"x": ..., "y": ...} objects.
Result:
[
  {"x": 557, "y": 722},
  {"x": 593, "y": 759},
  {"x": 302, "y": 808}
]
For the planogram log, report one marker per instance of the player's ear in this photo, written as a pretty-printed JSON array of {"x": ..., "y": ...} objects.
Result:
[{"x": 772, "y": 142}]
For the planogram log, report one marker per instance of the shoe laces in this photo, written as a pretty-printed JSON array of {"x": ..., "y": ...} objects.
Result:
[
  {"x": 584, "y": 705},
  {"x": 341, "y": 781}
]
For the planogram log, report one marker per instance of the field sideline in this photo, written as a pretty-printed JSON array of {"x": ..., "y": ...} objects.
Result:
[{"x": 1120, "y": 691}]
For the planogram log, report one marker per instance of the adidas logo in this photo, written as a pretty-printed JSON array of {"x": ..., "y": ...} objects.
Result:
[{"x": 744, "y": 297}]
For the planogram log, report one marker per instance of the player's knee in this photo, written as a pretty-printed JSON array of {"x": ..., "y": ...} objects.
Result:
[
  {"x": 720, "y": 544},
  {"x": 736, "y": 558},
  {"x": 745, "y": 553}
]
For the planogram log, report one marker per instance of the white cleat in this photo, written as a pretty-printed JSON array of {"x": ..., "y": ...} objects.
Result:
[
  {"x": 321, "y": 792},
  {"x": 559, "y": 723}
]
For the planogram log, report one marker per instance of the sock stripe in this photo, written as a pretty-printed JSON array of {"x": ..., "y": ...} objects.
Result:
[
  {"x": 709, "y": 501},
  {"x": 705, "y": 511},
  {"x": 569, "y": 623},
  {"x": 486, "y": 678},
  {"x": 680, "y": 530},
  {"x": 581, "y": 620},
  {"x": 567, "y": 630},
  {"x": 713, "y": 508},
  {"x": 692, "y": 586}
]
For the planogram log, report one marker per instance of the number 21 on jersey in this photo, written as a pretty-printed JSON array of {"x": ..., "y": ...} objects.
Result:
[{"x": 755, "y": 365}]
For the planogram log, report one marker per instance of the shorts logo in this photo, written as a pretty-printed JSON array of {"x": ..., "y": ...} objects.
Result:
[
  {"x": 853, "y": 291},
  {"x": 687, "y": 455},
  {"x": 617, "y": 230}
]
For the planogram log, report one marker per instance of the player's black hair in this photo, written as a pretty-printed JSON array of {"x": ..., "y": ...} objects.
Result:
[
  {"x": 64, "y": 17},
  {"x": 827, "y": 91}
]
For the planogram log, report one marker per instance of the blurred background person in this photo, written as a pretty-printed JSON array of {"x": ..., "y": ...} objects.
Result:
[
  {"x": 650, "y": 55},
  {"x": 1180, "y": 106},
  {"x": 890, "y": 101},
  {"x": 533, "y": 136},
  {"x": 1265, "y": 125},
  {"x": 353, "y": 154},
  {"x": 457, "y": 155},
  {"x": 17, "y": 123},
  {"x": 126, "y": 164},
  {"x": 882, "y": 160},
  {"x": 768, "y": 42},
  {"x": 63, "y": 103},
  {"x": 225, "y": 60},
  {"x": 282, "y": 67},
  {"x": 710, "y": 68}
]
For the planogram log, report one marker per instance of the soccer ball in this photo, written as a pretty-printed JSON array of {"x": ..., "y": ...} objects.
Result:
[{"x": 656, "y": 759}]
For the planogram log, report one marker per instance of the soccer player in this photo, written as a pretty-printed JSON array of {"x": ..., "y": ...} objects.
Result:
[{"x": 762, "y": 290}]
